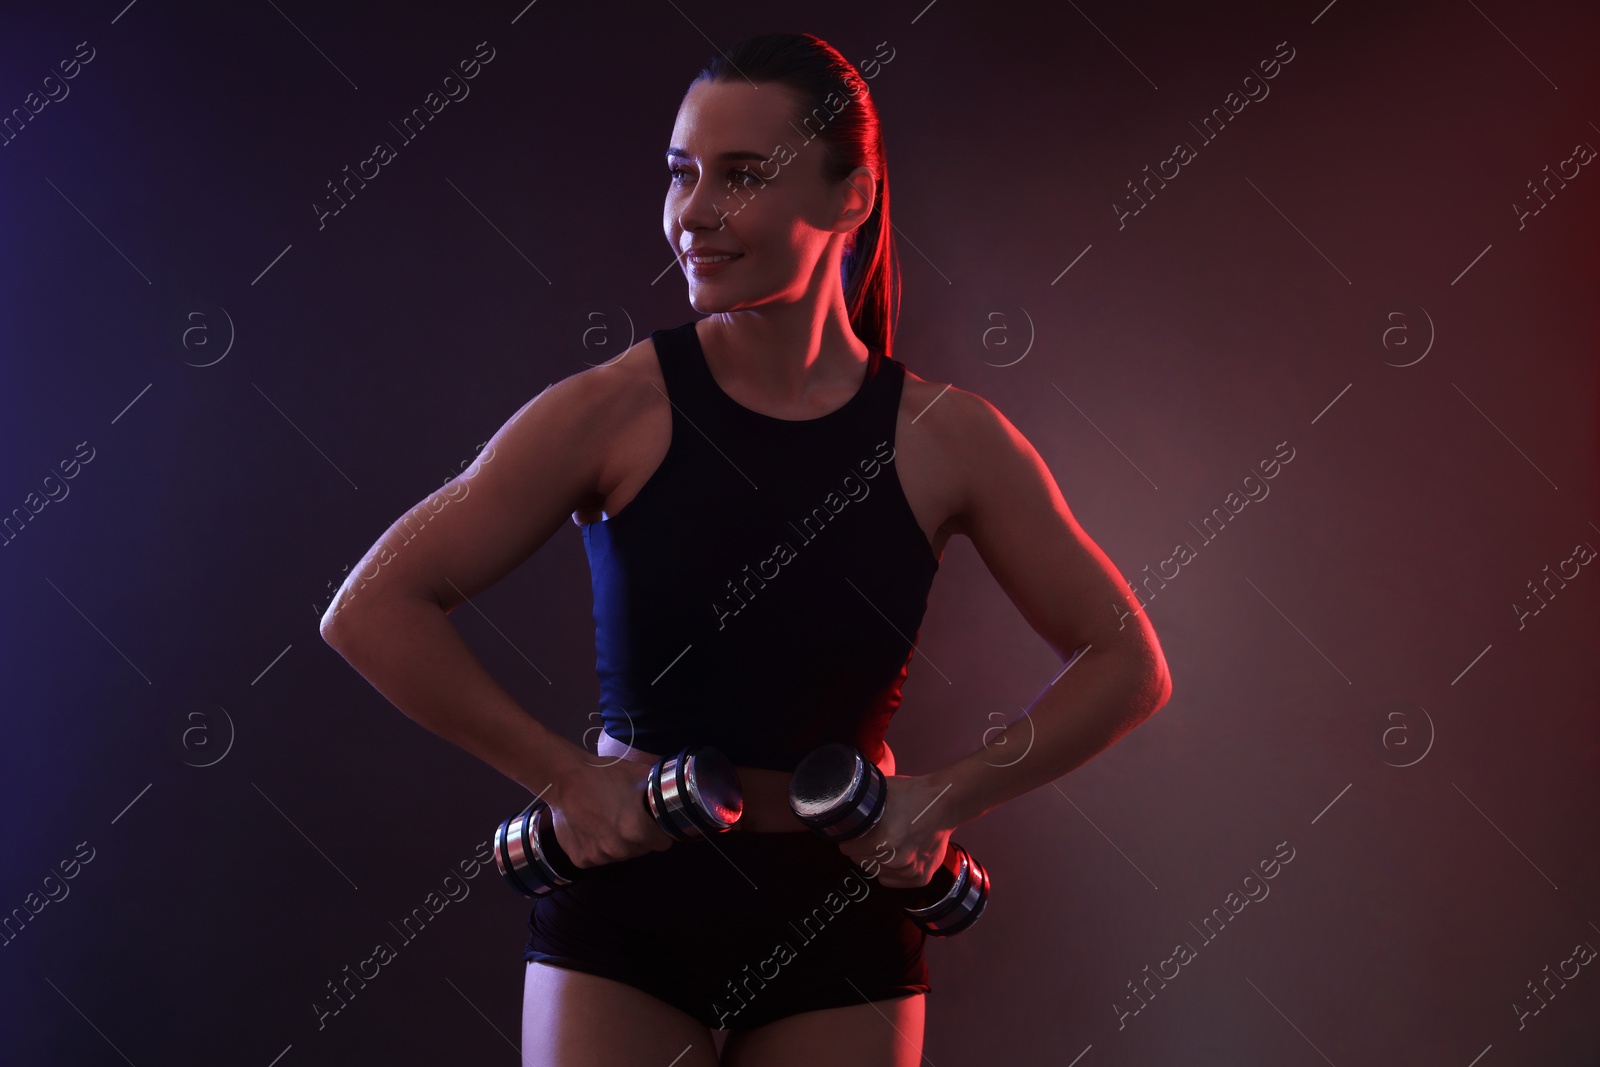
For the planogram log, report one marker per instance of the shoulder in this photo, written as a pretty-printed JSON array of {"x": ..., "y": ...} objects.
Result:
[
  {"x": 949, "y": 411},
  {"x": 960, "y": 424},
  {"x": 584, "y": 422},
  {"x": 607, "y": 396},
  {"x": 970, "y": 439}
]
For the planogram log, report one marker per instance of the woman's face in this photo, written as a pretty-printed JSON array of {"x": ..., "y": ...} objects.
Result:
[{"x": 743, "y": 180}]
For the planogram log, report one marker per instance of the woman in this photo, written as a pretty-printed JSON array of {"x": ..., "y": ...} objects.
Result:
[{"x": 764, "y": 495}]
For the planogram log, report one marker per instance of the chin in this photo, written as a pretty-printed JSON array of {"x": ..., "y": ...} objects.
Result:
[{"x": 707, "y": 304}]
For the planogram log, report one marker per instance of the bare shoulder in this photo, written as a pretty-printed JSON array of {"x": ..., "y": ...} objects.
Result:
[
  {"x": 596, "y": 403},
  {"x": 944, "y": 407},
  {"x": 555, "y": 454},
  {"x": 957, "y": 437},
  {"x": 626, "y": 384}
]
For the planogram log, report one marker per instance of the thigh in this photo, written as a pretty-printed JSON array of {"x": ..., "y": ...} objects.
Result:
[
  {"x": 574, "y": 1019},
  {"x": 879, "y": 1033}
]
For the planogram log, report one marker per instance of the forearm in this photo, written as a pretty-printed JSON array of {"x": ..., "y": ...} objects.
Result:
[
  {"x": 1086, "y": 710},
  {"x": 411, "y": 653}
]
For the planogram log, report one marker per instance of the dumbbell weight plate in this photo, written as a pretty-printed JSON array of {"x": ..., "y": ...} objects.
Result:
[
  {"x": 837, "y": 792},
  {"x": 962, "y": 902},
  {"x": 695, "y": 793},
  {"x": 528, "y": 855}
]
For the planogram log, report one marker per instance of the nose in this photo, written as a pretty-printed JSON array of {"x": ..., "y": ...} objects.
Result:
[{"x": 700, "y": 208}]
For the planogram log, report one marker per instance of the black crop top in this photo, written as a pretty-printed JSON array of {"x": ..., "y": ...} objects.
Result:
[{"x": 763, "y": 590}]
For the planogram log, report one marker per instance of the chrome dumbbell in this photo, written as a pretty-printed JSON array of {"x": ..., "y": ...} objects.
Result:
[
  {"x": 691, "y": 795},
  {"x": 840, "y": 794}
]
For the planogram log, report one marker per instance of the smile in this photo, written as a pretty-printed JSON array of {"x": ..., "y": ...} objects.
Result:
[{"x": 710, "y": 265}]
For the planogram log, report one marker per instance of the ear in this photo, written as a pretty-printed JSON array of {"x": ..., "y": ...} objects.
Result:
[{"x": 858, "y": 194}]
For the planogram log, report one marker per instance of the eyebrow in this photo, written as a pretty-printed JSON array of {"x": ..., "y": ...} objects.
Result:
[{"x": 760, "y": 157}]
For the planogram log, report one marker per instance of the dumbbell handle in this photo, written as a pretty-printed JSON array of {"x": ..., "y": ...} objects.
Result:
[{"x": 693, "y": 794}]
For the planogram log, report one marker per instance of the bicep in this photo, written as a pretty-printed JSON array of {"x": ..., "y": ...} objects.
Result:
[
  {"x": 1014, "y": 513},
  {"x": 478, "y": 527}
]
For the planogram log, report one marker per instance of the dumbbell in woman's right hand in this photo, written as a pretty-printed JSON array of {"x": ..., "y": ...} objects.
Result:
[{"x": 690, "y": 795}]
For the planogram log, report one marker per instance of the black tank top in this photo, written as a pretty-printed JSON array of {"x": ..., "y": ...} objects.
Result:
[{"x": 763, "y": 591}]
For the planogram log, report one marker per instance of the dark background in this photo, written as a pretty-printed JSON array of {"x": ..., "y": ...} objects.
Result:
[{"x": 259, "y": 816}]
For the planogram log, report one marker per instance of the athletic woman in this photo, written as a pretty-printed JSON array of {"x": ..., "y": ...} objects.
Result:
[{"x": 764, "y": 494}]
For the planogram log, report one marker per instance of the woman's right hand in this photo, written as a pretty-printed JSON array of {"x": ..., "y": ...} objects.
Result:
[{"x": 599, "y": 815}]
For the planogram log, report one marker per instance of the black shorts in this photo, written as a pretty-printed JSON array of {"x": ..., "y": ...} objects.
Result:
[{"x": 737, "y": 930}]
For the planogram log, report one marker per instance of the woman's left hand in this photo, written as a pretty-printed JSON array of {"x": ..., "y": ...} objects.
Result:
[{"x": 908, "y": 844}]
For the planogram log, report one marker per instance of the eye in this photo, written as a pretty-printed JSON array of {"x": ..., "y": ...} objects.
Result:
[{"x": 742, "y": 176}]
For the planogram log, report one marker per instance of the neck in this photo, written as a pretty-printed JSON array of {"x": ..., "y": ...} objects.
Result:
[{"x": 785, "y": 352}]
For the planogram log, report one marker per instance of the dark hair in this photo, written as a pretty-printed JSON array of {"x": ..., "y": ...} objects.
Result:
[{"x": 818, "y": 76}]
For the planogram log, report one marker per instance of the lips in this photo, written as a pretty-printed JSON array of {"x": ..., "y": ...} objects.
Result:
[{"x": 699, "y": 268}]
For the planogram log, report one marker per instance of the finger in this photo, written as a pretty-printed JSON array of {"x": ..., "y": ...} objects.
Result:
[{"x": 857, "y": 851}]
